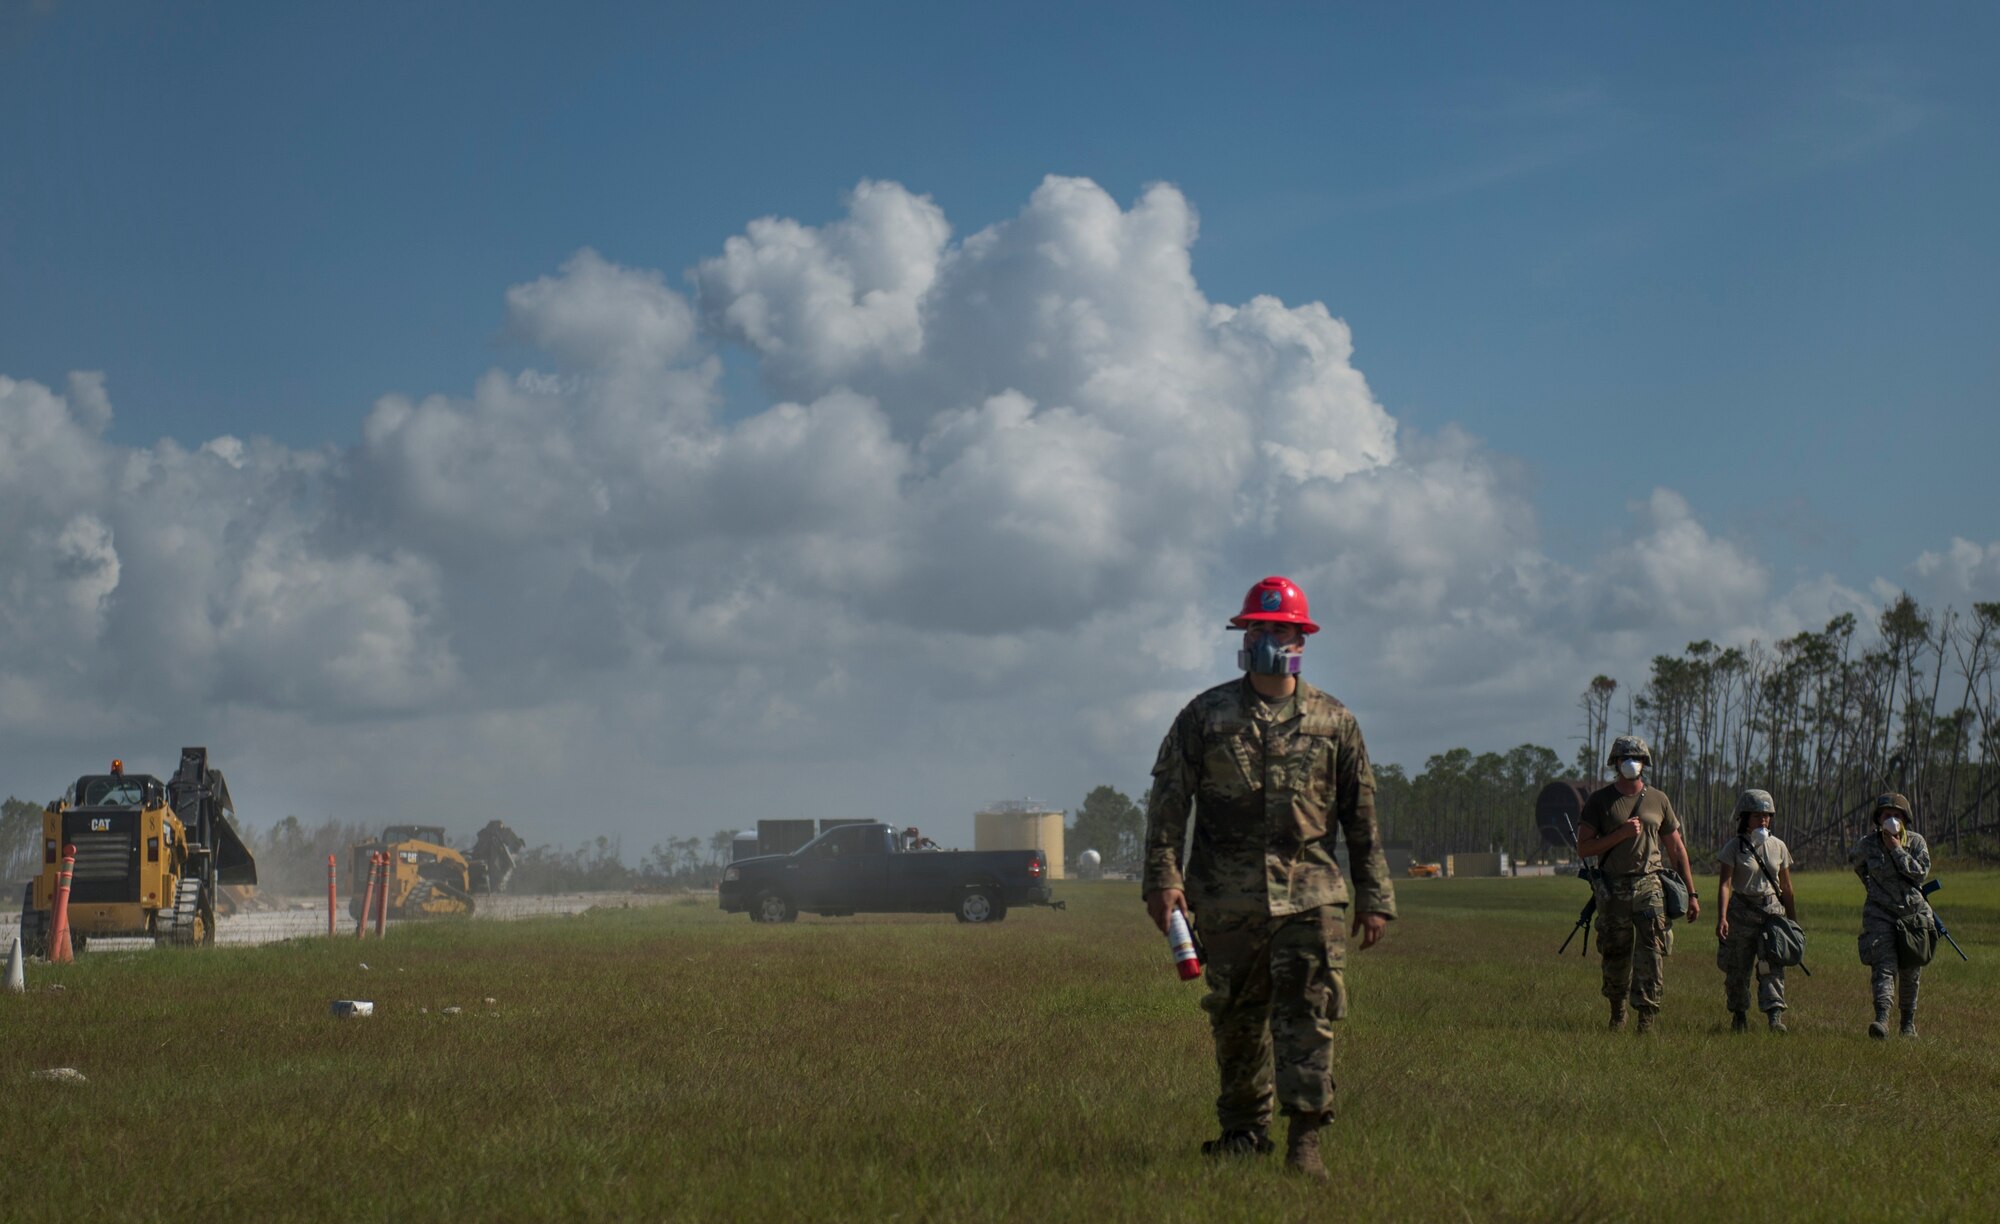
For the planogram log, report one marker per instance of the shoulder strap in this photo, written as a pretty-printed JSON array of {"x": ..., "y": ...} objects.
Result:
[
  {"x": 1639, "y": 812},
  {"x": 1638, "y": 804},
  {"x": 1756, "y": 857}
]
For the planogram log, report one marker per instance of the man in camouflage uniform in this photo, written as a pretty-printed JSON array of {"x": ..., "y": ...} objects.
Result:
[
  {"x": 1755, "y": 883},
  {"x": 1632, "y": 830},
  {"x": 1270, "y": 766},
  {"x": 1892, "y": 862}
]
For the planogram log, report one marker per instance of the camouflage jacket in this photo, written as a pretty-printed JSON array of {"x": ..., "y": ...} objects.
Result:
[
  {"x": 1266, "y": 783},
  {"x": 1892, "y": 877}
]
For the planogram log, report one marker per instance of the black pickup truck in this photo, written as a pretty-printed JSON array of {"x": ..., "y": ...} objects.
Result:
[{"x": 869, "y": 868}]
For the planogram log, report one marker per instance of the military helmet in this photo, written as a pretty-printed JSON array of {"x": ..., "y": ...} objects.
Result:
[
  {"x": 1629, "y": 746},
  {"x": 1756, "y": 803},
  {"x": 1891, "y": 802}
]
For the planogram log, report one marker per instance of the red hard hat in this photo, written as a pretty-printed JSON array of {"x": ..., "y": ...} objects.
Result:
[{"x": 1275, "y": 599}]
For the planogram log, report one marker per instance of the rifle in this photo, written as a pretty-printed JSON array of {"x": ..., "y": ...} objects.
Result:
[
  {"x": 1938, "y": 922},
  {"x": 1589, "y": 875}
]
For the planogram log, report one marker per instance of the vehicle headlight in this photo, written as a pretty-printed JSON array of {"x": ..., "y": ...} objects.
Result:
[{"x": 731, "y": 874}]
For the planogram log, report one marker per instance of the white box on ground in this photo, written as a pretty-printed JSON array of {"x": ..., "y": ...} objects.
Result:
[{"x": 348, "y": 1008}]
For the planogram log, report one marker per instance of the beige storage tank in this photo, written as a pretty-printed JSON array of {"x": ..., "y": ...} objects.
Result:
[
  {"x": 1019, "y": 824},
  {"x": 1493, "y": 863}
]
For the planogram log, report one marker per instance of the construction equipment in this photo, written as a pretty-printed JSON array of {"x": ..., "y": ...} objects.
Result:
[
  {"x": 150, "y": 857},
  {"x": 429, "y": 879},
  {"x": 494, "y": 852}
]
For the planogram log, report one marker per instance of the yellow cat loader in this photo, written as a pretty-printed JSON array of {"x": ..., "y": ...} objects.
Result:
[
  {"x": 429, "y": 879},
  {"x": 150, "y": 857}
]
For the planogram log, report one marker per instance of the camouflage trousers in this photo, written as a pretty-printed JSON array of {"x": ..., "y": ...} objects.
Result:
[
  {"x": 1737, "y": 957},
  {"x": 1887, "y": 976},
  {"x": 1275, "y": 987},
  {"x": 1632, "y": 933}
]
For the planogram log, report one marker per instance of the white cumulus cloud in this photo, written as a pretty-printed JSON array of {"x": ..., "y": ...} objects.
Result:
[{"x": 979, "y": 537}]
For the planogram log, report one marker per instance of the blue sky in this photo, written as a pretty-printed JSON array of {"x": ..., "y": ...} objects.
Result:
[
  {"x": 1743, "y": 254},
  {"x": 1696, "y": 234}
]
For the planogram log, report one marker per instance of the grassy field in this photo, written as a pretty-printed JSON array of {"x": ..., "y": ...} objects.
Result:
[{"x": 671, "y": 1063}]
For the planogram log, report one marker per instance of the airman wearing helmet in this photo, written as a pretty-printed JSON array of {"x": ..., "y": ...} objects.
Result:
[
  {"x": 1266, "y": 897},
  {"x": 1756, "y": 882},
  {"x": 1628, "y": 748},
  {"x": 1892, "y": 862},
  {"x": 1631, "y": 829}
]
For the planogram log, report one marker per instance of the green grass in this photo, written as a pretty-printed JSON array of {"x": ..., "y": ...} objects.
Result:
[{"x": 674, "y": 1063}]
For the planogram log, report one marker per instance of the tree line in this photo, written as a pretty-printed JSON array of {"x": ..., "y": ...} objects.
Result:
[
  {"x": 291, "y": 857},
  {"x": 1825, "y": 721},
  {"x": 1460, "y": 802}
]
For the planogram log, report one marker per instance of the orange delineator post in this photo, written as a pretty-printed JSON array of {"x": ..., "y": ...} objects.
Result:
[
  {"x": 329, "y": 896},
  {"x": 382, "y": 902},
  {"x": 60, "y": 952},
  {"x": 367, "y": 899}
]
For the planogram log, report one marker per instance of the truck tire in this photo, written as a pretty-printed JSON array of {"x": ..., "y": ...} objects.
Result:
[
  {"x": 980, "y": 903},
  {"x": 773, "y": 907}
]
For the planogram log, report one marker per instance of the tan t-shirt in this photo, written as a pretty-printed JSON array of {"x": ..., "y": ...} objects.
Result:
[
  {"x": 1605, "y": 810},
  {"x": 1748, "y": 879}
]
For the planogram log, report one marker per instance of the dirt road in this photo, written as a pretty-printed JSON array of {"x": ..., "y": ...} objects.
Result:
[{"x": 270, "y": 926}]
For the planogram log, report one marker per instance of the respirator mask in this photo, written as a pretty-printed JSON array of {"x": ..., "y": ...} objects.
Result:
[
  {"x": 1759, "y": 835},
  {"x": 1892, "y": 825},
  {"x": 1263, "y": 655},
  {"x": 1630, "y": 768}
]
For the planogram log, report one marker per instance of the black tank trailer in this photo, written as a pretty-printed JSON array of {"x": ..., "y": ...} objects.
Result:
[
  {"x": 784, "y": 836},
  {"x": 1557, "y": 809}
]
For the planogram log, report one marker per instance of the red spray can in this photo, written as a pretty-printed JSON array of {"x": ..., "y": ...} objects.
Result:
[{"x": 1187, "y": 962}]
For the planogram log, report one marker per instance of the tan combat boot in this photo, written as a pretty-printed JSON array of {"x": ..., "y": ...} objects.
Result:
[
  {"x": 1617, "y": 1014},
  {"x": 1302, "y": 1147},
  {"x": 1646, "y": 1022}
]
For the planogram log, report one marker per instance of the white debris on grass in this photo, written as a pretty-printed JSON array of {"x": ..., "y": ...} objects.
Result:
[{"x": 60, "y": 1075}]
